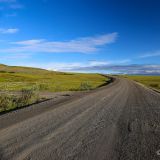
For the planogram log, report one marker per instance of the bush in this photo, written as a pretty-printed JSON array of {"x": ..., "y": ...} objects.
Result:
[
  {"x": 43, "y": 87},
  {"x": 27, "y": 97},
  {"x": 154, "y": 85},
  {"x": 6, "y": 102},
  {"x": 85, "y": 86}
]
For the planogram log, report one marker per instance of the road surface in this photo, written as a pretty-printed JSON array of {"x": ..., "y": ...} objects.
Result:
[{"x": 120, "y": 121}]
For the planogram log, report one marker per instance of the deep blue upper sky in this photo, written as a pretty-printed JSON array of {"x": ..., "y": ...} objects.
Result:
[{"x": 82, "y": 35}]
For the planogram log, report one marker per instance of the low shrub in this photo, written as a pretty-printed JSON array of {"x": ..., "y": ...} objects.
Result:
[
  {"x": 154, "y": 85},
  {"x": 27, "y": 97},
  {"x": 85, "y": 86},
  {"x": 6, "y": 102},
  {"x": 43, "y": 86}
]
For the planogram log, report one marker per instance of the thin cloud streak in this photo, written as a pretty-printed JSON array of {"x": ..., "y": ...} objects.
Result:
[
  {"x": 8, "y": 31},
  {"x": 152, "y": 54},
  {"x": 80, "y": 45}
]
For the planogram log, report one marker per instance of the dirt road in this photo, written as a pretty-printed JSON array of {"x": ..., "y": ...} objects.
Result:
[{"x": 120, "y": 121}]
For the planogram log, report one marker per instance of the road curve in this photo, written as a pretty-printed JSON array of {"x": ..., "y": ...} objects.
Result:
[{"x": 120, "y": 121}]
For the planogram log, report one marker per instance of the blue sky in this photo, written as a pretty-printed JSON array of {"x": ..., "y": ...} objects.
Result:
[{"x": 112, "y": 36}]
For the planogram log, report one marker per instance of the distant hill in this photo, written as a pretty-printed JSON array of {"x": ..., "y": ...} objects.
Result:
[
  {"x": 15, "y": 78},
  {"x": 19, "y": 69},
  {"x": 30, "y": 70}
]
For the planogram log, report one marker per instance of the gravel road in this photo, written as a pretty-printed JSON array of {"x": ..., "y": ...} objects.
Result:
[{"x": 120, "y": 121}]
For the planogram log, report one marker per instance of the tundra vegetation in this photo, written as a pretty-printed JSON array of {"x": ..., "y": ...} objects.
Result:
[
  {"x": 29, "y": 82},
  {"x": 26, "y": 97},
  {"x": 149, "y": 81}
]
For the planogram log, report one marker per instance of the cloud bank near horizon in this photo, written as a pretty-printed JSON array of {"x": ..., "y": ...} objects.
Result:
[
  {"x": 125, "y": 69},
  {"x": 117, "y": 67}
]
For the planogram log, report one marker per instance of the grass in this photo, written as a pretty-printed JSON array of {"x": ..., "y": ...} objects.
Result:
[
  {"x": 18, "y": 78},
  {"x": 30, "y": 81},
  {"x": 26, "y": 97},
  {"x": 150, "y": 81}
]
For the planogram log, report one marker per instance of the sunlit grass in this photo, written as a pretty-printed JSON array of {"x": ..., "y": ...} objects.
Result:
[
  {"x": 17, "y": 78},
  {"x": 28, "y": 82},
  {"x": 26, "y": 97},
  {"x": 150, "y": 81}
]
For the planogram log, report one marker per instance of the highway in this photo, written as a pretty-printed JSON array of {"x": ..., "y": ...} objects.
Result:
[{"x": 120, "y": 121}]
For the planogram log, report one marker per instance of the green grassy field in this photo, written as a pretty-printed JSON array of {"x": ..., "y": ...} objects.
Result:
[
  {"x": 29, "y": 82},
  {"x": 150, "y": 81},
  {"x": 18, "y": 78}
]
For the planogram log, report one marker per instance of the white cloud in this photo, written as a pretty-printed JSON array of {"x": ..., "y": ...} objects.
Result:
[
  {"x": 9, "y": 30},
  {"x": 95, "y": 63},
  {"x": 30, "y": 42},
  {"x": 151, "y": 54},
  {"x": 80, "y": 45}
]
